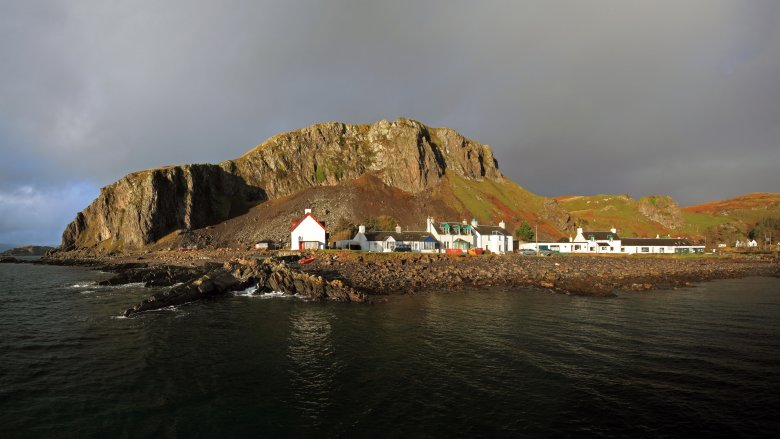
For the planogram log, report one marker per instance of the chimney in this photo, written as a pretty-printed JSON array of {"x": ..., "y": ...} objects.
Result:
[
  {"x": 502, "y": 224},
  {"x": 361, "y": 229},
  {"x": 571, "y": 239},
  {"x": 397, "y": 228},
  {"x": 429, "y": 224},
  {"x": 465, "y": 222},
  {"x": 305, "y": 211},
  {"x": 613, "y": 229},
  {"x": 579, "y": 230},
  {"x": 474, "y": 222}
]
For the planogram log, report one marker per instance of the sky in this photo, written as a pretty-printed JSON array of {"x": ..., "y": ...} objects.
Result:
[{"x": 574, "y": 97}]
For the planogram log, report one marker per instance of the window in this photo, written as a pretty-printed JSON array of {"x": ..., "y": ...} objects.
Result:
[
  {"x": 576, "y": 247},
  {"x": 661, "y": 250},
  {"x": 622, "y": 249},
  {"x": 645, "y": 249}
]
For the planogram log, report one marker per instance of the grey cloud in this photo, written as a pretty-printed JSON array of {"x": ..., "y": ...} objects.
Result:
[{"x": 574, "y": 97}]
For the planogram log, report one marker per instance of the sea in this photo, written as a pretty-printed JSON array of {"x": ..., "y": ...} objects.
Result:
[{"x": 702, "y": 361}]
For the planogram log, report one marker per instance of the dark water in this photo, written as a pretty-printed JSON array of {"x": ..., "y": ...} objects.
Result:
[{"x": 704, "y": 361}]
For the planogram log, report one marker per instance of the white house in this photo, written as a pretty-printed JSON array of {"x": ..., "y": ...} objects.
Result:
[
  {"x": 659, "y": 246},
  {"x": 611, "y": 243},
  {"x": 307, "y": 233},
  {"x": 464, "y": 236},
  {"x": 397, "y": 240}
]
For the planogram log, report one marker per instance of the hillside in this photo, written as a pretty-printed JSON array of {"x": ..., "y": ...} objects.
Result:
[
  {"x": 756, "y": 214},
  {"x": 722, "y": 221},
  {"x": 347, "y": 173},
  {"x": 645, "y": 217}
]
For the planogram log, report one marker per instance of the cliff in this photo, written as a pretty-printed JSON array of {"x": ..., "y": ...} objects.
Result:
[{"x": 405, "y": 155}]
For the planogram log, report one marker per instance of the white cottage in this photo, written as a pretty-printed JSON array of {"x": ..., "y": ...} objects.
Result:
[
  {"x": 397, "y": 240},
  {"x": 611, "y": 243},
  {"x": 308, "y": 233},
  {"x": 464, "y": 236}
]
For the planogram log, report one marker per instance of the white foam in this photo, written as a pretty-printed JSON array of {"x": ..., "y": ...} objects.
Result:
[
  {"x": 130, "y": 285},
  {"x": 86, "y": 285},
  {"x": 249, "y": 292},
  {"x": 252, "y": 292},
  {"x": 174, "y": 308},
  {"x": 271, "y": 295}
]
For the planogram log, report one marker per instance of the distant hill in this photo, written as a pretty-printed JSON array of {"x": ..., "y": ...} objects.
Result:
[
  {"x": 4, "y": 247},
  {"x": 28, "y": 250}
]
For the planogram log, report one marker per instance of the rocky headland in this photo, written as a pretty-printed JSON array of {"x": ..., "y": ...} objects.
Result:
[{"x": 28, "y": 250}]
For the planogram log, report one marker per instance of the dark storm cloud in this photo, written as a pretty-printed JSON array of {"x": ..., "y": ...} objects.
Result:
[{"x": 575, "y": 97}]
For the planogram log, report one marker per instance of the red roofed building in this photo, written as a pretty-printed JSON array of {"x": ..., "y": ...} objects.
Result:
[{"x": 308, "y": 233}]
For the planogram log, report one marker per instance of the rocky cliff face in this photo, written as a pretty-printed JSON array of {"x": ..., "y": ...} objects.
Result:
[
  {"x": 404, "y": 154},
  {"x": 145, "y": 206}
]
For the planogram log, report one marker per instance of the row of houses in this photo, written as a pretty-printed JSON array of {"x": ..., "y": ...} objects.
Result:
[
  {"x": 611, "y": 242},
  {"x": 438, "y": 237},
  {"x": 461, "y": 236}
]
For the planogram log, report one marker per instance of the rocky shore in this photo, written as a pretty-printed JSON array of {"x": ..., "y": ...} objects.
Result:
[{"x": 362, "y": 277}]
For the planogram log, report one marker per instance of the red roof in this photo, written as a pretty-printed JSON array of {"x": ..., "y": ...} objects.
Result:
[{"x": 297, "y": 223}]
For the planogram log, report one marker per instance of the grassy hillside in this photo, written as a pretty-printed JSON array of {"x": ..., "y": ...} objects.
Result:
[
  {"x": 753, "y": 214},
  {"x": 600, "y": 212},
  {"x": 721, "y": 221},
  {"x": 491, "y": 201}
]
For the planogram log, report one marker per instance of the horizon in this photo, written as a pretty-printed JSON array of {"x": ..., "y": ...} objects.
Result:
[{"x": 602, "y": 98}]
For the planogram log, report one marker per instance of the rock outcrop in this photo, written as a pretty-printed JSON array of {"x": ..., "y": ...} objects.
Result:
[
  {"x": 661, "y": 209},
  {"x": 237, "y": 274},
  {"x": 145, "y": 206}
]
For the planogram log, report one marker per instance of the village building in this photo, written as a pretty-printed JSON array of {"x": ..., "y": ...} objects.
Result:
[
  {"x": 266, "y": 244},
  {"x": 396, "y": 241},
  {"x": 611, "y": 243},
  {"x": 463, "y": 236},
  {"x": 308, "y": 233}
]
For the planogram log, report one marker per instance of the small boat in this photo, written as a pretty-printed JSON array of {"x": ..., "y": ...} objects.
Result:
[{"x": 305, "y": 260}]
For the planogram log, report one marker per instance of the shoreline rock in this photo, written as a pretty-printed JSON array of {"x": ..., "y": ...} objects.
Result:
[
  {"x": 357, "y": 277},
  {"x": 238, "y": 274}
]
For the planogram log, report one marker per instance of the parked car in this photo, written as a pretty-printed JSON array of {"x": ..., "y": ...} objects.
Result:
[{"x": 528, "y": 252}]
